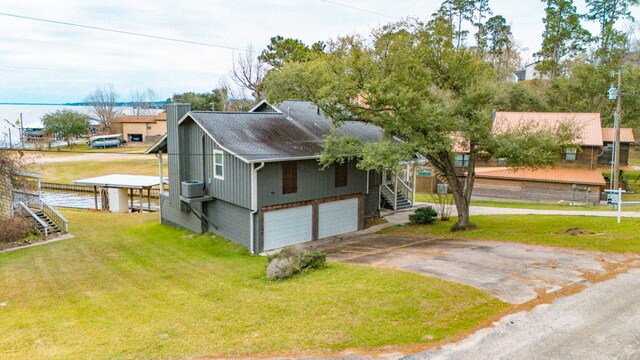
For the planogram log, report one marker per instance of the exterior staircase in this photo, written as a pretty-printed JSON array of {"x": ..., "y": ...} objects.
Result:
[
  {"x": 387, "y": 199},
  {"x": 43, "y": 218},
  {"x": 52, "y": 227}
]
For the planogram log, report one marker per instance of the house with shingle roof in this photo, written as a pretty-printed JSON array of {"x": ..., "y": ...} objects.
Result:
[{"x": 254, "y": 176}]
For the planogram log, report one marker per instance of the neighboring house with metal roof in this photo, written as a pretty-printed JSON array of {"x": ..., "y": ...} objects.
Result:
[
  {"x": 254, "y": 176},
  {"x": 578, "y": 173},
  {"x": 140, "y": 128}
]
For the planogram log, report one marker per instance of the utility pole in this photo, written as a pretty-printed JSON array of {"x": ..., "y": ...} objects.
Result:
[
  {"x": 616, "y": 149},
  {"x": 21, "y": 132}
]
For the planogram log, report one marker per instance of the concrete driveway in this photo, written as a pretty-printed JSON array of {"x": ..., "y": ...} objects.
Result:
[{"x": 515, "y": 273}]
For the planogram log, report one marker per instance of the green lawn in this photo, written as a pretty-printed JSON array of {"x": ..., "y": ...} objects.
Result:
[
  {"x": 68, "y": 171},
  {"x": 540, "y": 229},
  {"x": 126, "y": 287},
  {"x": 83, "y": 147},
  {"x": 538, "y": 206}
]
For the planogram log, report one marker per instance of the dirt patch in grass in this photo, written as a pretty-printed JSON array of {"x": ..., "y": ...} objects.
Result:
[
  {"x": 371, "y": 222},
  {"x": 578, "y": 232}
]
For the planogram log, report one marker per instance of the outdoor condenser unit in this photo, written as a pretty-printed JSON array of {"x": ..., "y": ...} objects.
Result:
[{"x": 192, "y": 189}]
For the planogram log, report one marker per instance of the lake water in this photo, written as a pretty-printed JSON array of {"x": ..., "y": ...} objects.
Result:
[
  {"x": 32, "y": 117},
  {"x": 83, "y": 200}
]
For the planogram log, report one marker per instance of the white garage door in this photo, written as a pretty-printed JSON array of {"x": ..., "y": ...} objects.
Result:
[
  {"x": 287, "y": 227},
  {"x": 337, "y": 217}
]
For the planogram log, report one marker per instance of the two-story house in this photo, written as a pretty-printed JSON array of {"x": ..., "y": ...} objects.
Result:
[{"x": 258, "y": 176}]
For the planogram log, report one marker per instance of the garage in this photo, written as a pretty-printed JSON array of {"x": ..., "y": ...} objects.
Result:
[
  {"x": 287, "y": 227},
  {"x": 337, "y": 217}
]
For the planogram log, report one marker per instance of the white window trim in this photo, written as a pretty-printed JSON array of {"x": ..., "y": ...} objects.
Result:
[{"x": 215, "y": 164}]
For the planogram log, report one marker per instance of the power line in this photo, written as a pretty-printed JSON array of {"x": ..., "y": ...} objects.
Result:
[
  {"x": 156, "y": 37},
  {"x": 360, "y": 9}
]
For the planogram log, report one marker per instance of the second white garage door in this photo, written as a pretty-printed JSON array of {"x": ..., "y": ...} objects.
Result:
[
  {"x": 287, "y": 227},
  {"x": 337, "y": 217}
]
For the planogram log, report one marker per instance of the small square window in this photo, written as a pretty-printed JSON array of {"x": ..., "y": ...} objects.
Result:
[
  {"x": 571, "y": 154},
  {"x": 461, "y": 160},
  {"x": 502, "y": 161},
  {"x": 218, "y": 164}
]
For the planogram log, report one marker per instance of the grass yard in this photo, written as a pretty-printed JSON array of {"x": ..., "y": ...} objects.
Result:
[
  {"x": 539, "y": 229},
  {"x": 83, "y": 147},
  {"x": 127, "y": 287},
  {"x": 537, "y": 206},
  {"x": 68, "y": 171}
]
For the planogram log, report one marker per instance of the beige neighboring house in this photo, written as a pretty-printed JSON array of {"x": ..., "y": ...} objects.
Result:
[{"x": 140, "y": 128}]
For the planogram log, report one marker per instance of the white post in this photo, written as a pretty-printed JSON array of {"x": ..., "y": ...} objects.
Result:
[
  {"x": 619, "y": 204},
  {"x": 395, "y": 191},
  {"x": 413, "y": 185}
]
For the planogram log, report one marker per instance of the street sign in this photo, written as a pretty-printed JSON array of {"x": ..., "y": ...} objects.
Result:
[{"x": 614, "y": 197}]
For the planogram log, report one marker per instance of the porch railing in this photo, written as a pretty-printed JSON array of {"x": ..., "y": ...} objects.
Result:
[
  {"x": 55, "y": 216},
  {"x": 25, "y": 209}
]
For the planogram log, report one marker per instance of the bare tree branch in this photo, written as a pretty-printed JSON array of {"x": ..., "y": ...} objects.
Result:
[
  {"x": 103, "y": 105},
  {"x": 248, "y": 73}
]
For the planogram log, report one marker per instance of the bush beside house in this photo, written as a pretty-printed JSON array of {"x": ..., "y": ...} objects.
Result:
[{"x": 289, "y": 262}]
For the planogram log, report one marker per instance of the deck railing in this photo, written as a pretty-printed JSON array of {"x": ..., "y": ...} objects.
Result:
[
  {"x": 45, "y": 227},
  {"x": 55, "y": 216}
]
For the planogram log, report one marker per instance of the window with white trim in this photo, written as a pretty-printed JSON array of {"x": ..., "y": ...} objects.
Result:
[
  {"x": 571, "y": 154},
  {"x": 218, "y": 164}
]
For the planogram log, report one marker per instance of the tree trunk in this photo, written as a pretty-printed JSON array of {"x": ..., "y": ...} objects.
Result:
[{"x": 461, "y": 190}]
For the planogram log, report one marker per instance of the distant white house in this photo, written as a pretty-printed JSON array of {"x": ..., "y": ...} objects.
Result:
[{"x": 529, "y": 72}]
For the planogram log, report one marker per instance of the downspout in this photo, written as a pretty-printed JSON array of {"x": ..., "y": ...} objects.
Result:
[
  {"x": 367, "y": 182},
  {"x": 254, "y": 204}
]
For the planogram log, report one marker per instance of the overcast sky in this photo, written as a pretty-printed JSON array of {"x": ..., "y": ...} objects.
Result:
[{"x": 44, "y": 62}]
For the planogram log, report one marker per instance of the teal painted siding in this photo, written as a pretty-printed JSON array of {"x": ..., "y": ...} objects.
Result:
[{"x": 313, "y": 183}]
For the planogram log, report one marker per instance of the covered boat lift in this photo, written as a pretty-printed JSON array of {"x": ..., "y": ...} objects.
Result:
[{"x": 120, "y": 189}]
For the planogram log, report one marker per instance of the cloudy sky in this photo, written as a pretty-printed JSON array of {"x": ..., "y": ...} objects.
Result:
[{"x": 50, "y": 63}]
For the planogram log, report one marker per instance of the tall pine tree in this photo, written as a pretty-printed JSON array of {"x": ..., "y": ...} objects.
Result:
[{"x": 563, "y": 37}]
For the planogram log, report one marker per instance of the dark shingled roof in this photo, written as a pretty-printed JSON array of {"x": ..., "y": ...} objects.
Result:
[{"x": 297, "y": 132}]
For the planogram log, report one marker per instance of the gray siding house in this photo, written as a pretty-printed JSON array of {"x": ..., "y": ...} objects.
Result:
[{"x": 259, "y": 172}]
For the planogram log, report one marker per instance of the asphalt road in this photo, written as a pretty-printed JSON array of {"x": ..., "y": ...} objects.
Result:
[{"x": 601, "y": 322}]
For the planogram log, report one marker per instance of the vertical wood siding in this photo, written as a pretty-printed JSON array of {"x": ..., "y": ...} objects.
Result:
[
  {"x": 232, "y": 221},
  {"x": 313, "y": 183},
  {"x": 196, "y": 158}
]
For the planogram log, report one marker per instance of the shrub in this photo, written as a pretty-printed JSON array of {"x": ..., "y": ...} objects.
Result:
[
  {"x": 14, "y": 229},
  {"x": 289, "y": 262},
  {"x": 312, "y": 260},
  {"x": 282, "y": 268},
  {"x": 423, "y": 215}
]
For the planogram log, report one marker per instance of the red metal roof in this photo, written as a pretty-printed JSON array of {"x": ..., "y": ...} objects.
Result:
[
  {"x": 589, "y": 123},
  {"x": 626, "y": 135},
  {"x": 557, "y": 175}
]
